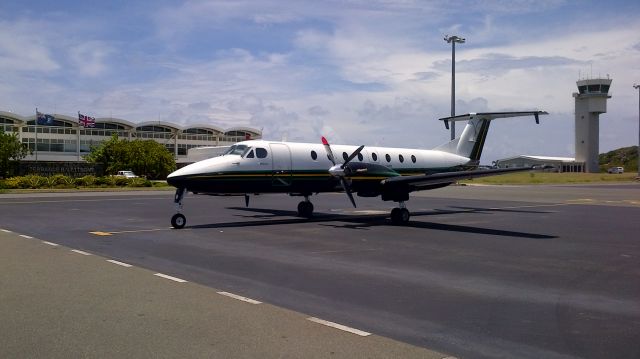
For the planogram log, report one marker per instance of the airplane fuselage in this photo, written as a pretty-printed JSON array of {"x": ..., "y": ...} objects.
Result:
[{"x": 259, "y": 166}]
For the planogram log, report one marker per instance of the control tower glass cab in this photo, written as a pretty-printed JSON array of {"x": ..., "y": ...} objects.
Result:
[{"x": 590, "y": 102}]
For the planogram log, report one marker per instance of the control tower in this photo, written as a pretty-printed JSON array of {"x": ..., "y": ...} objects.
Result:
[{"x": 591, "y": 101}]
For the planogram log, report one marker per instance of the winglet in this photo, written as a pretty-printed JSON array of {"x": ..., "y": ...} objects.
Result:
[{"x": 324, "y": 141}]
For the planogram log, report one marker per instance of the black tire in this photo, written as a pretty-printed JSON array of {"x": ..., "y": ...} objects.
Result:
[
  {"x": 404, "y": 215},
  {"x": 305, "y": 209},
  {"x": 178, "y": 221},
  {"x": 400, "y": 216}
]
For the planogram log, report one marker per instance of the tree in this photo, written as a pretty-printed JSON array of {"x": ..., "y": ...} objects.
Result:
[
  {"x": 148, "y": 157},
  {"x": 11, "y": 149}
]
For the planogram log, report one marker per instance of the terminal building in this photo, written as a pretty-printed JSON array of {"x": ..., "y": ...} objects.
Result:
[
  {"x": 555, "y": 164},
  {"x": 65, "y": 140},
  {"x": 590, "y": 102}
]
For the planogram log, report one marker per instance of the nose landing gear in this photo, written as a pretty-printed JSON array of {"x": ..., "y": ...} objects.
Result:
[{"x": 178, "y": 220}]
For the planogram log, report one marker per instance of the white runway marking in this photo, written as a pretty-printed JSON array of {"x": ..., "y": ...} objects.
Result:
[
  {"x": 339, "y": 326},
  {"x": 81, "y": 252},
  {"x": 51, "y": 244},
  {"x": 25, "y": 236},
  {"x": 238, "y": 297},
  {"x": 170, "y": 278},
  {"x": 6, "y": 231},
  {"x": 119, "y": 263}
]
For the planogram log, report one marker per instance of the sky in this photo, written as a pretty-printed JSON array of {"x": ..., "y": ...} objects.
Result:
[{"x": 372, "y": 72}]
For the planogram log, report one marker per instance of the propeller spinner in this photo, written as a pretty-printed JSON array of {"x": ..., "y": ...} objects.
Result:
[{"x": 338, "y": 170}]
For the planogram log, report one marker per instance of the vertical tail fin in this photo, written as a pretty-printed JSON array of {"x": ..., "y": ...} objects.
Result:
[{"x": 471, "y": 141}]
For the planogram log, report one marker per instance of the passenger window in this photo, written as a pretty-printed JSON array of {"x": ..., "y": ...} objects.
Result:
[
  {"x": 360, "y": 157},
  {"x": 345, "y": 155},
  {"x": 401, "y": 158},
  {"x": 261, "y": 152},
  {"x": 250, "y": 155},
  {"x": 374, "y": 156},
  {"x": 413, "y": 158},
  {"x": 387, "y": 157},
  {"x": 314, "y": 155}
]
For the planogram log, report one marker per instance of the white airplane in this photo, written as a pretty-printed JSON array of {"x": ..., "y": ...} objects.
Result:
[{"x": 302, "y": 169}]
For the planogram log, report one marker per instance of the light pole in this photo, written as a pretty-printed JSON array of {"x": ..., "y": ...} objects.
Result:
[
  {"x": 452, "y": 40},
  {"x": 637, "y": 87}
]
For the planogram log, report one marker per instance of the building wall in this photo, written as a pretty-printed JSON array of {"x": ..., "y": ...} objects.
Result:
[
  {"x": 587, "y": 134},
  {"x": 67, "y": 142},
  {"x": 557, "y": 166}
]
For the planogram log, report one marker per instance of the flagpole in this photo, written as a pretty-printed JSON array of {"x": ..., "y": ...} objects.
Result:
[
  {"x": 78, "y": 132},
  {"x": 36, "y": 123}
]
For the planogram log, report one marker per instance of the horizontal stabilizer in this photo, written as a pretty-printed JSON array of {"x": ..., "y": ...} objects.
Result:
[{"x": 491, "y": 116}]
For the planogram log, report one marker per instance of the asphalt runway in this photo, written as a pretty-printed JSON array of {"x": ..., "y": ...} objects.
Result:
[{"x": 479, "y": 272}]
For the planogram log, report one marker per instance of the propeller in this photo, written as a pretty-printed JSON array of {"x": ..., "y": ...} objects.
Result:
[{"x": 338, "y": 170}]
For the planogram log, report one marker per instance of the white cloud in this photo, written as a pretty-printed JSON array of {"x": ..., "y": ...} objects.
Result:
[
  {"x": 373, "y": 72},
  {"x": 23, "y": 47},
  {"x": 91, "y": 58}
]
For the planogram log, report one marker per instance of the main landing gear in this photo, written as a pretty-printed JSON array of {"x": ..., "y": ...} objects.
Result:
[
  {"x": 305, "y": 208},
  {"x": 179, "y": 220},
  {"x": 400, "y": 215}
]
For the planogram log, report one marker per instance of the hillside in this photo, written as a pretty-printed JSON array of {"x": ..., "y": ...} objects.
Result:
[{"x": 626, "y": 157}]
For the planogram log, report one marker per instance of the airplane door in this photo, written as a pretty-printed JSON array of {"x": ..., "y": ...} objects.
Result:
[{"x": 281, "y": 156}]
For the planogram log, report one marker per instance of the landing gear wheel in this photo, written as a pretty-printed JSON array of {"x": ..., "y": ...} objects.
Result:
[
  {"x": 400, "y": 216},
  {"x": 178, "y": 221},
  {"x": 305, "y": 209}
]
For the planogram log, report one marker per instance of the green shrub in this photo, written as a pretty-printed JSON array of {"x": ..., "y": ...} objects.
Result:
[
  {"x": 85, "y": 181},
  {"x": 60, "y": 181},
  {"x": 121, "y": 181},
  {"x": 106, "y": 181},
  {"x": 139, "y": 182},
  {"x": 34, "y": 181},
  {"x": 12, "y": 183}
]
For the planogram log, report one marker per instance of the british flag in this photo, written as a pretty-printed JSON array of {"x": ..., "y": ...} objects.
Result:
[{"x": 86, "y": 121}]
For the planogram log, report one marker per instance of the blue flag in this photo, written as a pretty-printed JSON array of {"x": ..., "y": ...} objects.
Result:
[{"x": 44, "y": 119}]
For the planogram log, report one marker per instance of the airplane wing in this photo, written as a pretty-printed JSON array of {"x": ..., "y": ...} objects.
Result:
[{"x": 425, "y": 181}]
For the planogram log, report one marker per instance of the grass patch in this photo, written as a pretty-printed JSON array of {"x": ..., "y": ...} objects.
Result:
[{"x": 553, "y": 178}]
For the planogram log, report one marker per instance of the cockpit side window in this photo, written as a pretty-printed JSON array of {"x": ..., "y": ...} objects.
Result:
[
  {"x": 261, "y": 152},
  {"x": 237, "y": 150},
  {"x": 250, "y": 154}
]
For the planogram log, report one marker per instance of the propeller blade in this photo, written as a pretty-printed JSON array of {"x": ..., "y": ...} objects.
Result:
[
  {"x": 353, "y": 155},
  {"x": 338, "y": 170},
  {"x": 327, "y": 148},
  {"x": 347, "y": 190}
]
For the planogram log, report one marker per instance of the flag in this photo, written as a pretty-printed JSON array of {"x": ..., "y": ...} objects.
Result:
[
  {"x": 44, "y": 119},
  {"x": 86, "y": 121}
]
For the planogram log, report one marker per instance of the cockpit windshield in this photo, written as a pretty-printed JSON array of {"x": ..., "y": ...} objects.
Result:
[{"x": 237, "y": 150}]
